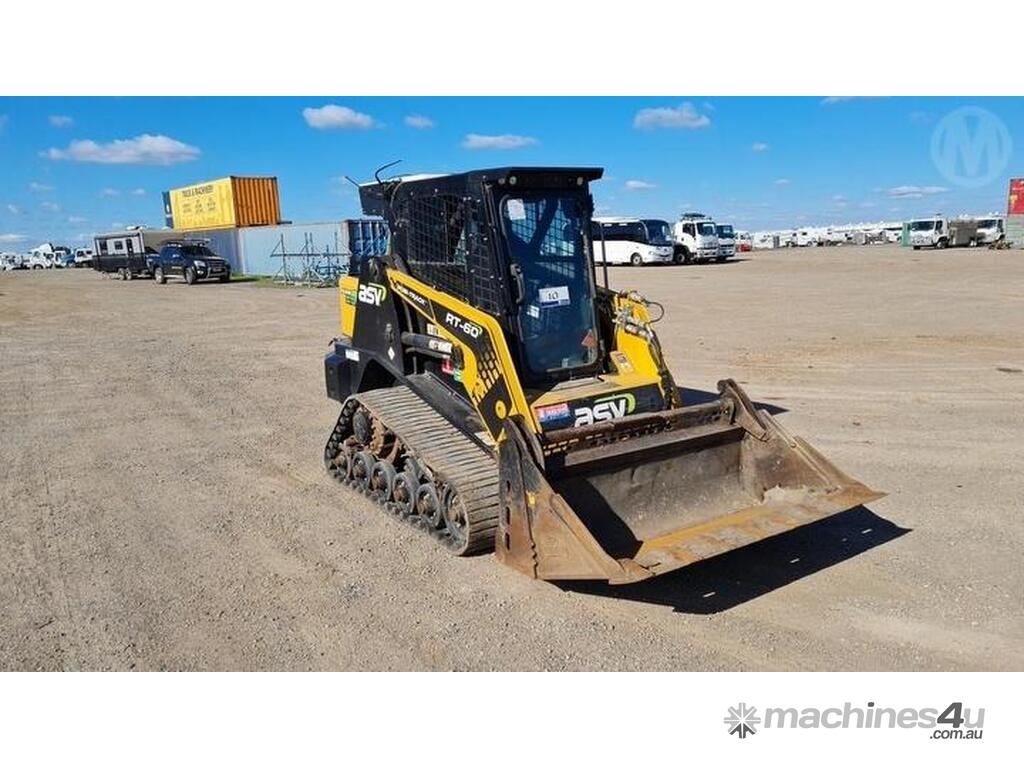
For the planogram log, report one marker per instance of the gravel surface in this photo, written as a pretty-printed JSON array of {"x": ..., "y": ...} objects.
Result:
[{"x": 163, "y": 504}]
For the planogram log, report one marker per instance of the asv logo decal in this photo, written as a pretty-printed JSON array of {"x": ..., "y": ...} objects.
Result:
[
  {"x": 470, "y": 329},
  {"x": 371, "y": 293},
  {"x": 605, "y": 409}
]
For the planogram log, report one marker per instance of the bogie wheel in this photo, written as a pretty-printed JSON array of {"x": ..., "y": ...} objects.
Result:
[
  {"x": 159, "y": 276},
  {"x": 456, "y": 521},
  {"x": 362, "y": 467},
  {"x": 128, "y": 275},
  {"x": 190, "y": 275},
  {"x": 382, "y": 478},
  {"x": 428, "y": 505},
  {"x": 403, "y": 492},
  {"x": 341, "y": 465}
]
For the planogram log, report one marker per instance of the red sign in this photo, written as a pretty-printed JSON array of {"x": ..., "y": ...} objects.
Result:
[{"x": 1016, "y": 205}]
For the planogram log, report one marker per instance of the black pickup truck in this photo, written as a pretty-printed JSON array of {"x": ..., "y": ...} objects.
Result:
[{"x": 189, "y": 260}]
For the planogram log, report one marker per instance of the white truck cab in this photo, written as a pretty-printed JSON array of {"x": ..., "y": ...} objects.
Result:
[
  {"x": 726, "y": 241},
  {"x": 696, "y": 238},
  {"x": 932, "y": 232},
  {"x": 991, "y": 229}
]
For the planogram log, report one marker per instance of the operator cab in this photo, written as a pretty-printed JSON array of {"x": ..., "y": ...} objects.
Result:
[{"x": 512, "y": 242}]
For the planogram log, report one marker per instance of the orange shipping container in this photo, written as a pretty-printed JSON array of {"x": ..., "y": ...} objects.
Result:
[{"x": 235, "y": 201}]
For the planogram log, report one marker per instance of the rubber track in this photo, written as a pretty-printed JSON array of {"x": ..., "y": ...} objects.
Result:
[{"x": 430, "y": 439}]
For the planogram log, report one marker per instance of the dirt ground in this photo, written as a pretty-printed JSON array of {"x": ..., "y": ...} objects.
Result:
[{"x": 163, "y": 504}]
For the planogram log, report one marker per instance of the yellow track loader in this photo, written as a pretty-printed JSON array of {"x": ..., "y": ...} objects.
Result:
[{"x": 497, "y": 397}]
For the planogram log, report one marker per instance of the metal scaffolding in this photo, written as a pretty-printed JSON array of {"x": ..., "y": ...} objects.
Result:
[{"x": 309, "y": 266}]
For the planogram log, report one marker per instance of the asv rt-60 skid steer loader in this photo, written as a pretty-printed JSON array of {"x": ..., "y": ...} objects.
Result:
[{"x": 496, "y": 396}]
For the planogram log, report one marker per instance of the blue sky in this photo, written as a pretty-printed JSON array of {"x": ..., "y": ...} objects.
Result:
[{"x": 73, "y": 166}]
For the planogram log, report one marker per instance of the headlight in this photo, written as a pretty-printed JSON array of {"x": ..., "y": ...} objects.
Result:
[{"x": 200, "y": 264}]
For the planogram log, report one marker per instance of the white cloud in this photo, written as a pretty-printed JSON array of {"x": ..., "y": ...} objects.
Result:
[
  {"x": 51, "y": 207},
  {"x": 781, "y": 182},
  {"x": 138, "y": 192},
  {"x": 35, "y": 186},
  {"x": 637, "y": 184},
  {"x": 500, "y": 141},
  {"x": 61, "y": 121},
  {"x": 334, "y": 116},
  {"x": 912, "y": 191},
  {"x": 109, "y": 192},
  {"x": 77, "y": 219},
  {"x": 146, "y": 149},
  {"x": 12, "y": 238},
  {"x": 419, "y": 121},
  {"x": 13, "y": 209},
  {"x": 759, "y": 146},
  {"x": 683, "y": 116}
]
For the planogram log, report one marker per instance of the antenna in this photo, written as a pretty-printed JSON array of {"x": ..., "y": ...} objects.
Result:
[{"x": 376, "y": 174}]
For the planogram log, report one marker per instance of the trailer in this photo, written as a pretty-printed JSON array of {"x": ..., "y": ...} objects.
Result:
[{"x": 126, "y": 253}]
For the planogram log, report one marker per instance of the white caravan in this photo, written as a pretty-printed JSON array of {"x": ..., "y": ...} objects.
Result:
[
  {"x": 632, "y": 241},
  {"x": 726, "y": 241},
  {"x": 696, "y": 238},
  {"x": 805, "y": 237}
]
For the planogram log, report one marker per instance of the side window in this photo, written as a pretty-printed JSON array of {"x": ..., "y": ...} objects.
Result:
[
  {"x": 103, "y": 247},
  {"x": 443, "y": 247},
  {"x": 119, "y": 245},
  {"x": 637, "y": 233}
]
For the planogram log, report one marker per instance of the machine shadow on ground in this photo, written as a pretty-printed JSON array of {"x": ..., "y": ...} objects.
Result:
[{"x": 730, "y": 579}]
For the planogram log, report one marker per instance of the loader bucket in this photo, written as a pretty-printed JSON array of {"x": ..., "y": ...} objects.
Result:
[{"x": 626, "y": 500}]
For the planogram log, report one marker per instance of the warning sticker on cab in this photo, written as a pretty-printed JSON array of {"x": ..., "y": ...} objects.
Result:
[
  {"x": 549, "y": 413},
  {"x": 555, "y": 296}
]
